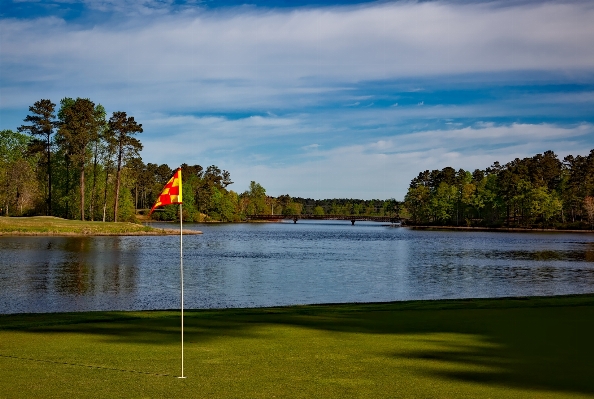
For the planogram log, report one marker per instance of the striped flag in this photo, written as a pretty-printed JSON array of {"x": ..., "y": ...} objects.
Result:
[{"x": 172, "y": 192}]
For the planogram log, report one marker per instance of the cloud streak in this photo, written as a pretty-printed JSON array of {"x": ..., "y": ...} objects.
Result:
[
  {"x": 209, "y": 57},
  {"x": 386, "y": 167}
]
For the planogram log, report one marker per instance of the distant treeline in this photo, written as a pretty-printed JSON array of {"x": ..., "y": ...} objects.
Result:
[
  {"x": 344, "y": 206},
  {"x": 540, "y": 191}
]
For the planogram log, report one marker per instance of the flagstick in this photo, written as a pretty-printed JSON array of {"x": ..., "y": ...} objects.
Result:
[{"x": 181, "y": 267}]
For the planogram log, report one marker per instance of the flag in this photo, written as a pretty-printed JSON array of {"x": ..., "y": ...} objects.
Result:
[{"x": 172, "y": 192}]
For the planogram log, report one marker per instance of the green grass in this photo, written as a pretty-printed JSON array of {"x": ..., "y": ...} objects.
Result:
[
  {"x": 50, "y": 225},
  {"x": 497, "y": 348}
]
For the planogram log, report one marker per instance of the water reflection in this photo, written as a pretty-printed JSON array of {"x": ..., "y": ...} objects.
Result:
[
  {"x": 72, "y": 278},
  {"x": 279, "y": 264},
  {"x": 52, "y": 270},
  {"x": 589, "y": 256}
]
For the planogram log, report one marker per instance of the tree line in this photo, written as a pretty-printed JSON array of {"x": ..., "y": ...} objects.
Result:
[
  {"x": 346, "y": 206},
  {"x": 46, "y": 171},
  {"x": 68, "y": 162},
  {"x": 539, "y": 191},
  {"x": 73, "y": 162}
]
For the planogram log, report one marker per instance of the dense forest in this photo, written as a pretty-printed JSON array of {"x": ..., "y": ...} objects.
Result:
[
  {"x": 71, "y": 161},
  {"x": 541, "y": 191}
]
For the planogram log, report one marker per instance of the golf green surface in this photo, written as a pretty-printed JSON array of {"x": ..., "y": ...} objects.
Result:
[{"x": 485, "y": 348}]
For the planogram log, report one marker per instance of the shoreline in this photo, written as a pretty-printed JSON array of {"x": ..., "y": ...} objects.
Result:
[
  {"x": 51, "y": 226},
  {"x": 507, "y": 302},
  {"x": 497, "y": 229},
  {"x": 164, "y": 232}
]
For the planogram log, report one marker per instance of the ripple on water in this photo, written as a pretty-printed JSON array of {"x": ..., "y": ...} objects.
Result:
[{"x": 247, "y": 265}]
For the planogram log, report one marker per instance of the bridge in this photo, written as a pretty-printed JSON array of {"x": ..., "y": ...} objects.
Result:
[{"x": 352, "y": 218}]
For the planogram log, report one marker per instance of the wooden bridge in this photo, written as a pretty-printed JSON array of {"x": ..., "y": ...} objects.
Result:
[{"x": 352, "y": 218}]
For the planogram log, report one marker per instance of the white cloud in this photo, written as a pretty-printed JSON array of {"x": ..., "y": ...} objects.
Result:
[
  {"x": 250, "y": 58},
  {"x": 376, "y": 168},
  {"x": 311, "y": 147},
  {"x": 538, "y": 135}
]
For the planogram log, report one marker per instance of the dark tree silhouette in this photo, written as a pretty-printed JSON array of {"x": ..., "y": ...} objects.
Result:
[
  {"x": 122, "y": 129},
  {"x": 42, "y": 124},
  {"x": 78, "y": 128}
]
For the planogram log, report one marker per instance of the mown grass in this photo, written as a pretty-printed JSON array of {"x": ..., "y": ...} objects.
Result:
[
  {"x": 50, "y": 225},
  {"x": 500, "y": 348}
]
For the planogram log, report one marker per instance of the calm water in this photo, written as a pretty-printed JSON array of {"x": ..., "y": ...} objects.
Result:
[{"x": 249, "y": 265}]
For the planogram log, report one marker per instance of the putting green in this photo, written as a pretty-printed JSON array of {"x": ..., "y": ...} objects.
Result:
[{"x": 495, "y": 348}]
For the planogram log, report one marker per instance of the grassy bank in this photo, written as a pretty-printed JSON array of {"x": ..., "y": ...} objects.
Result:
[
  {"x": 50, "y": 225},
  {"x": 502, "y": 348}
]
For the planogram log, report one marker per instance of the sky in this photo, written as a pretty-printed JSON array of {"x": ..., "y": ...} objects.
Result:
[{"x": 316, "y": 99}]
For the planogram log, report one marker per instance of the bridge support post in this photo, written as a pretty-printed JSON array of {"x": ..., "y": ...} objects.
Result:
[{"x": 352, "y": 222}]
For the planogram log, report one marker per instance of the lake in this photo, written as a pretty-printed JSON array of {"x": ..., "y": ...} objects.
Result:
[{"x": 269, "y": 264}]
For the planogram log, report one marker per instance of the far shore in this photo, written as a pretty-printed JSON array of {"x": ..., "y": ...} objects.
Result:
[{"x": 504, "y": 229}]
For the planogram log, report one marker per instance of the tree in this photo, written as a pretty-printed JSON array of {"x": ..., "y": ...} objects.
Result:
[
  {"x": 417, "y": 202},
  {"x": 292, "y": 208},
  {"x": 18, "y": 187},
  {"x": 544, "y": 204},
  {"x": 318, "y": 211},
  {"x": 226, "y": 181},
  {"x": 589, "y": 208},
  {"x": 221, "y": 205},
  {"x": 392, "y": 207},
  {"x": 257, "y": 199},
  {"x": 443, "y": 202},
  {"x": 136, "y": 171},
  {"x": 77, "y": 129},
  {"x": 107, "y": 156},
  {"x": 123, "y": 128},
  {"x": 42, "y": 124},
  {"x": 101, "y": 125}
]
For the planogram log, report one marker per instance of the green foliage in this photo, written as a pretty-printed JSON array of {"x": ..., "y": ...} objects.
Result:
[
  {"x": 19, "y": 191},
  {"x": 538, "y": 191},
  {"x": 256, "y": 200},
  {"x": 122, "y": 129},
  {"x": 42, "y": 123},
  {"x": 338, "y": 206},
  {"x": 417, "y": 202},
  {"x": 126, "y": 211},
  {"x": 222, "y": 206},
  {"x": 79, "y": 126},
  {"x": 589, "y": 208},
  {"x": 13, "y": 146},
  {"x": 318, "y": 211},
  {"x": 292, "y": 208}
]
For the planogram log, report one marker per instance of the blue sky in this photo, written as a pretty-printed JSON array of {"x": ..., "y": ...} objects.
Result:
[{"x": 321, "y": 99}]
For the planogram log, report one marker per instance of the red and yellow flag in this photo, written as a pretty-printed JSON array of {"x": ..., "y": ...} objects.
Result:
[{"x": 172, "y": 192}]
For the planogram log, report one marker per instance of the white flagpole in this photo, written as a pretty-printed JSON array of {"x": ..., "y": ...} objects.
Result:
[{"x": 181, "y": 267}]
